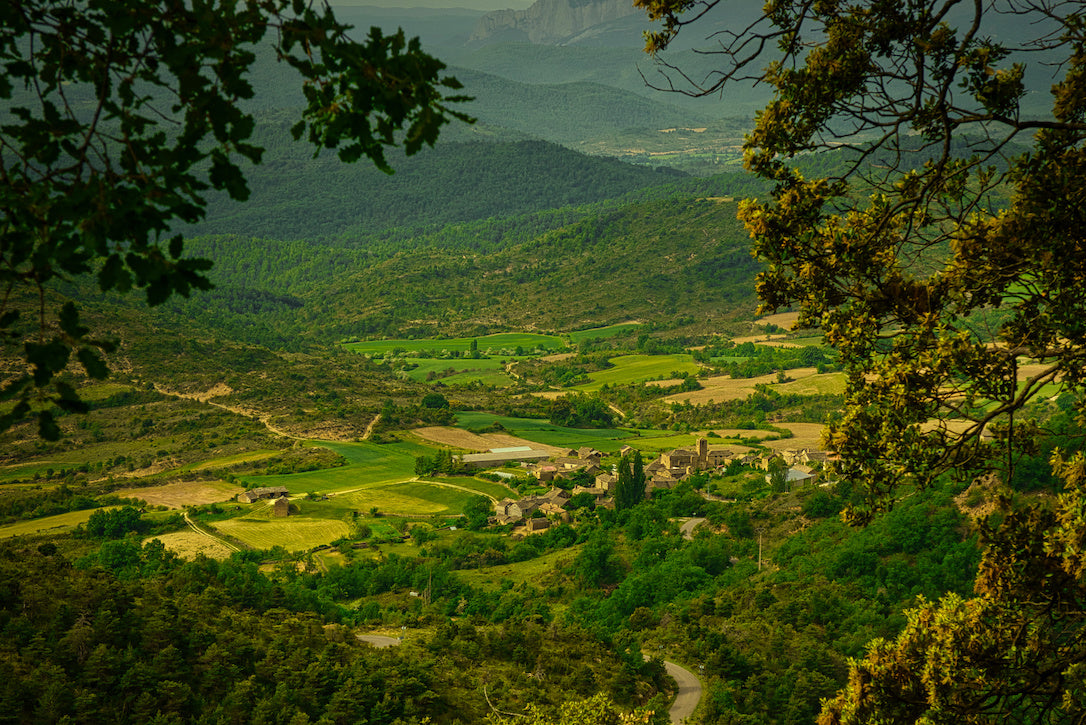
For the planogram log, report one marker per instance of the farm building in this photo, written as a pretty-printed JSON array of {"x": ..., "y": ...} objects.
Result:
[
  {"x": 281, "y": 507},
  {"x": 797, "y": 474},
  {"x": 255, "y": 494},
  {"x": 498, "y": 456},
  {"x": 553, "y": 502}
]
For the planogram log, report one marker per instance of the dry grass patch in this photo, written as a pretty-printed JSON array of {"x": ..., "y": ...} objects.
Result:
[
  {"x": 807, "y": 384},
  {"x": 189, "y": 544},
  {"x": 558, "y": 356},
  {"x": 184, "y": 493},
  {"x": 457, "y": 438},
  {"x": 804, "y": 435},
  {"x": 452, "y": 437},
  {"x": 787, "y": 320},
  {"x": 762, "y": 339},
  {"x": 722, "y": 387}
]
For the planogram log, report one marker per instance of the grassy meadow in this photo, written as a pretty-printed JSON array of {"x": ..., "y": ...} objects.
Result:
[
  {"x": 603, "y": 333},
  {"x": 543, "y": 431},
  {"x": 460, "y": 371},
  {"x": 630, "y": 369},
  {"x": 61, "y": 523}
]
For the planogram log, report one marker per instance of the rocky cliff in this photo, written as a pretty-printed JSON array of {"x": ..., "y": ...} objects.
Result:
[{"x": 549, "y": 22}]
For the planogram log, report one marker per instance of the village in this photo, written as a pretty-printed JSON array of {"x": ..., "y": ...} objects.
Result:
[
  {"x": 533, "y": 514},
  {"x": 582, "y": 474}
]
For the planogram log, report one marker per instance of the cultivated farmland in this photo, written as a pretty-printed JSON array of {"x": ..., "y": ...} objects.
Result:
[
  {"x": 603, "y": 333},
  {"x": 805, "y": 381},
  {"x": 188, "y": 545},
  {"x": 60, "y": 523},
  {"x": 466, "y": 440},
  {"x": 293, "y": 534},
  {"x": 639, "y": 369},
  {"x": 183, "y": 493}
]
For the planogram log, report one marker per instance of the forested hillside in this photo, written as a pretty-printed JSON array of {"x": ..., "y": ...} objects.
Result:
[
  {"x": 295, "y": 196},
  {"x": 676, "y": 261}
]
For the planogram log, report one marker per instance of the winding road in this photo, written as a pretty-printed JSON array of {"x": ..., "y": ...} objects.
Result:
[
  {"x": 192, "y": 525},
  {"x": 688, "y": 695},
  {"x": 688, "y": 527}
]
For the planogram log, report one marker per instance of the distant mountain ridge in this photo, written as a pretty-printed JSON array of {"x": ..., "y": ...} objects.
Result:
[{"x": 549, "y": 22}]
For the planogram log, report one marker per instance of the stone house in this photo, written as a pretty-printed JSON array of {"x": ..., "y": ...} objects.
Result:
[{"x": 256, "y": 494}]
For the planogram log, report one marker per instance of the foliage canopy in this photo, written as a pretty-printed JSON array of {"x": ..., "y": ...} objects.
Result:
[
  {"x": 946, "y": 265},
  {"x": 946, "y": 262},
  {"x": 122, "y": 117}
]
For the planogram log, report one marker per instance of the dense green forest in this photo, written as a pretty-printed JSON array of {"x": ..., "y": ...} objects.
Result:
[
  {"x": 507, "y": 178},
  {"x": 633, "y": 260},
  {"x": 93, "y": 628}
]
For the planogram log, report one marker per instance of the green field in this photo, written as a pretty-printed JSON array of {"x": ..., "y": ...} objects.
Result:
[
  {"x": 501, "y": 344},
  {"x": 367, "y": 464},
  {"x": 61, "y": 523},
  {"x": 543, "y": 431},
  {"x": 378, "y": 477},
  {"x": 533, "y": 571},
  {"x": 603, "y": 333},
  {"x": 295, "y": 533},
  {"x": 639, "y": 369},
  {"x": 607, "y": 440},
  {"x": 101, "y": 391},
  {"x": 224, "y": 461},
  {"x": 824, "y": 384},
  {"x": 670, "y": 442},
  {"x": 488, "y": 371}
]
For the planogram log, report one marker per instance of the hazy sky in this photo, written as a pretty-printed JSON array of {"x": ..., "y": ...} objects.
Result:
[{"x": 470, "y": 4}]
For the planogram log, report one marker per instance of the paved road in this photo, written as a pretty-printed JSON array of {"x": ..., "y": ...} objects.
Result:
[
  {"x": 689, "y": 526},
  {"x": 689, "y": 692}
]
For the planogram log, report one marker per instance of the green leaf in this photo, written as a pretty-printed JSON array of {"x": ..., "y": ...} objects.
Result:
[
  {"x": 69, "y": 321},
  {"x": 47, "y": 426},
  {"x": 48, "y": 359},
  {"x": 92, "y": 363},
  {"x": 114, "y": 275},
  {"x": 69, "y": 400},
  {"x": 226, "y": 175}
]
